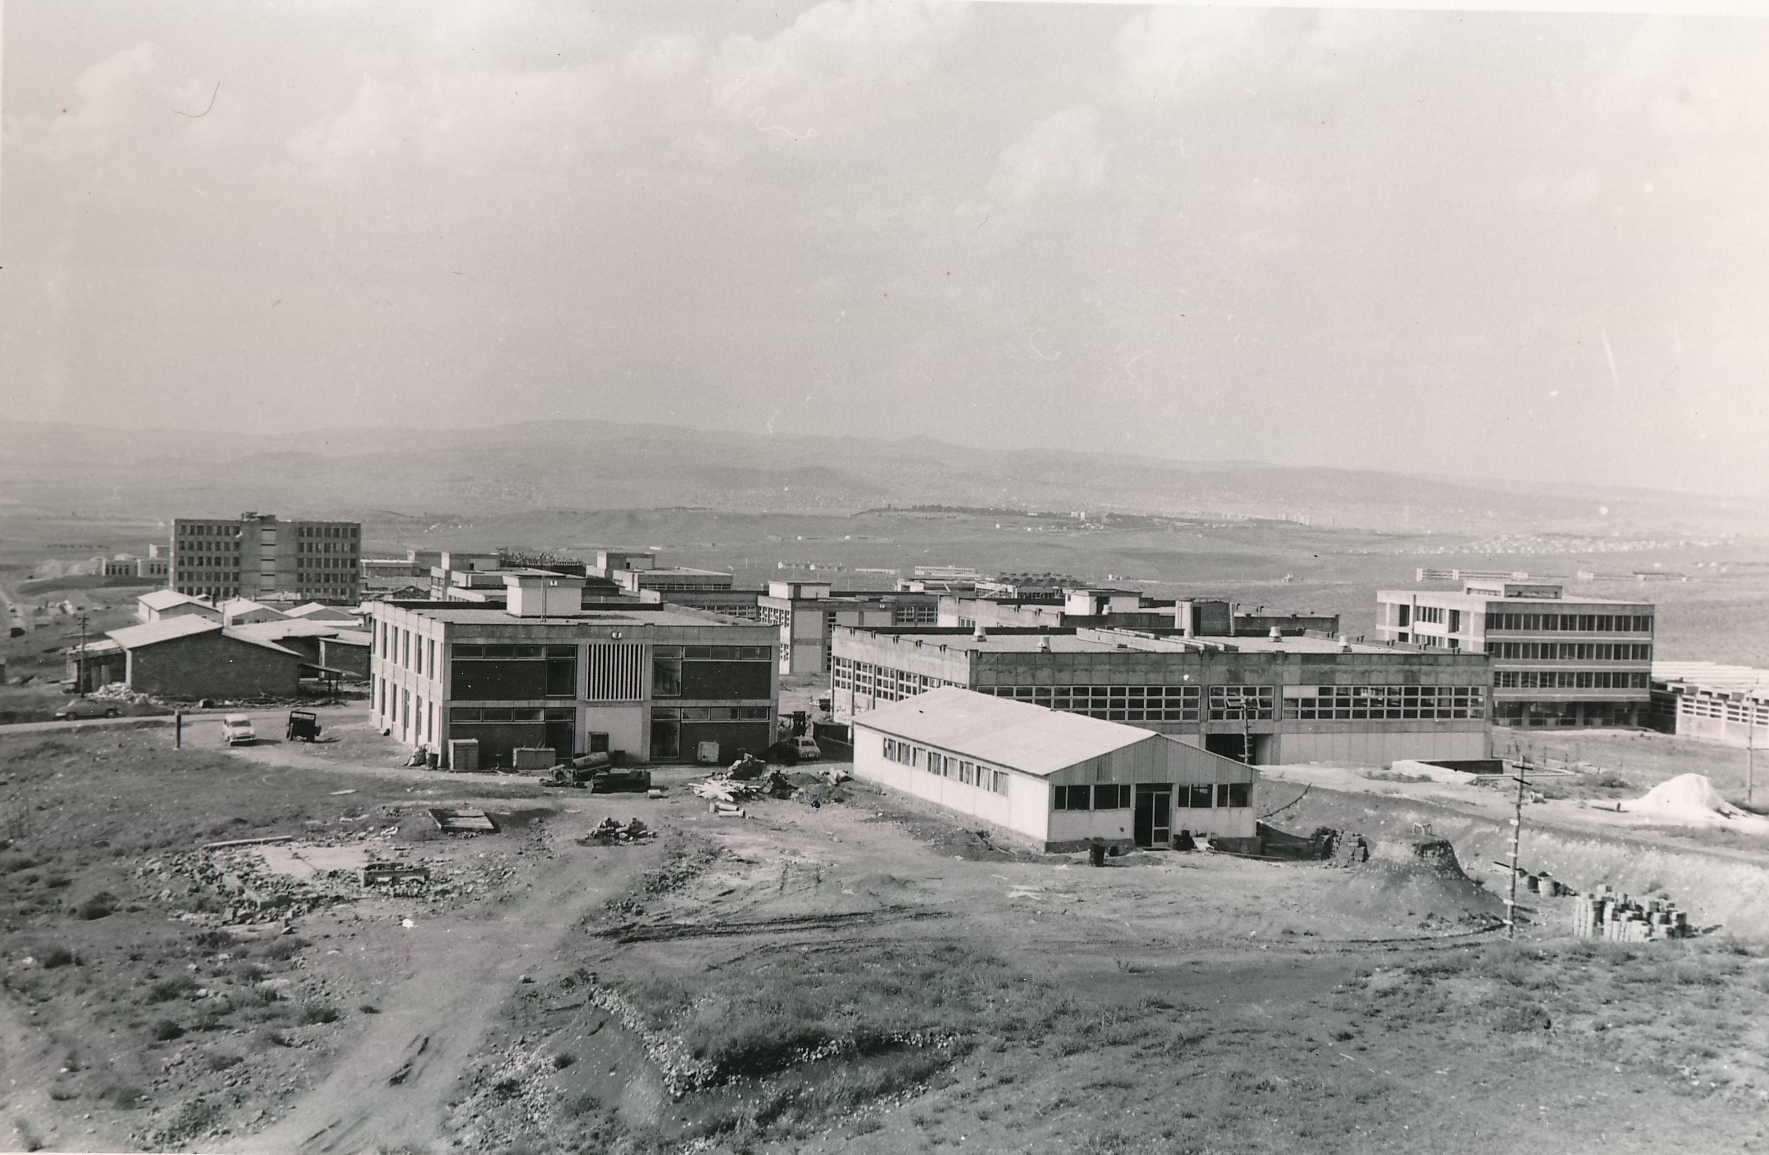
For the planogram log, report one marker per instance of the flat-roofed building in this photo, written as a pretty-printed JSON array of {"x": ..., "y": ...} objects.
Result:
[
  {"x": 540, "y": 670},
  {"x": 1556, "y": 661},
  {"x": 257, "y": 555},
  {"x": 1262, "y": 700},
  {"x": 807, "y": 613},
  {"x": 1710, "y": 702},
  {"x": 1059, "y": 781}
]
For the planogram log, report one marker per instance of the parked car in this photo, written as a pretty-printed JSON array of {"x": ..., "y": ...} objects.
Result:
[
  {"x": 806, "y": 748},
  {"x": 86, "y": 708},
  {"x": 236, "y": 730}
]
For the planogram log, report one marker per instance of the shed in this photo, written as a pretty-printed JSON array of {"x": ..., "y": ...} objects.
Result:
[
  {"x": 192, "y": 657},
  {"x": 162, "y": 604},
  {"x": 1058, "y": 780}
]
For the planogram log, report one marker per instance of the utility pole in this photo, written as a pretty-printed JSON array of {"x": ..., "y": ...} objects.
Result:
[
  {"x": 80, "y": 664},
  {"x": 1521, "y": 765},
  {"x": 1750, "y": 741}
]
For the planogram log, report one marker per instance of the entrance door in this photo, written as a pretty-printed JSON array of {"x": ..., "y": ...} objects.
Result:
[
  {"x": 1152, "y": 823},
  {"x": 561, "y": 737}
]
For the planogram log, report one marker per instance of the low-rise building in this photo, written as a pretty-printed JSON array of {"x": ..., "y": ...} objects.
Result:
[
  {"x": 245, "y": 611},
  {"x": 1556, "y": 661},
  {"x": 162, "y": 604},
  {"x": 187, "y": 658},
  {"x": 1710, "y": 702},
  {"x": 381, "y": 575},
  {"x": 1059, "y": 781},
  {"x": 651, "y": 682},
  {"x": 1260, "y": 700}
]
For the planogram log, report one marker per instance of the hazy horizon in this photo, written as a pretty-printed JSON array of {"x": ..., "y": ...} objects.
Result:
[{"x": 1463, "y": 244}]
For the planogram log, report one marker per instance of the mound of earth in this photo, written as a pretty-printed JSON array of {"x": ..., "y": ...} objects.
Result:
[
  {"x": 1415, "y": 882},
  {"x": 1686, "y": 795}
]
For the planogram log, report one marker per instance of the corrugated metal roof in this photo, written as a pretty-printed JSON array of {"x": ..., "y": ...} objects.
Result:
[
  {"x": 189, "y": 625},
  {"x": 1017, "y": 735},
  {"x": 1714, "y": 677},
  {"x": 166, "y": 599}
]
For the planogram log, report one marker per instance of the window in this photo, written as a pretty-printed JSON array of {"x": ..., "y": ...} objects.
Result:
[
  {"x": 998, "y": 779},
  {"x": 1192, "y": 797},
  {"x": 1111, "y": 797},
  {"x": 1074, "y": 798},
  {"x": 666, "y": 672}
]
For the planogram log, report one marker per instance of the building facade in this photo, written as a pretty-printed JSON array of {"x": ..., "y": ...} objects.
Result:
[
  {"x": 1059, "y": 781},
  {"x": 652, "y": 682},
  {"x": 259, "y": 556},
  {"x": 1556, "y": 661},
  {"x": 807, "y": 614},
  {"x": 1710, "y": 702},
  {"x": 1256, "y": 700}
]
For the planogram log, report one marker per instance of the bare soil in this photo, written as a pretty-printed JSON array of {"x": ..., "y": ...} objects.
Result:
[{"x": 860, "y": 976}]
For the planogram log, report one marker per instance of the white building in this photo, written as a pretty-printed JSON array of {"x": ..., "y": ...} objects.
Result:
[{"x": 1057, "y": 780}]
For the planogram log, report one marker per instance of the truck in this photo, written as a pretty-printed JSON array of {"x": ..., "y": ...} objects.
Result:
[{"x": 597, "y": 773}]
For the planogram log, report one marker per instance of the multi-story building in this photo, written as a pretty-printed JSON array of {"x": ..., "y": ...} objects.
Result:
[
  {"x": 1556, "y": 661},
  {"x": 385, "y": 574},
  {"x": 258, "y": 556},
  {"x": 807, "y": 614},
  {"x": 1259, "y": 700},
  {"x": 656, "y": 683}
]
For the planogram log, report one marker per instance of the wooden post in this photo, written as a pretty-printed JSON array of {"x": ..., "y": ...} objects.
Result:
[
  {"x": 1516, "y": 832},
  {"x": 178, "y": 729}
]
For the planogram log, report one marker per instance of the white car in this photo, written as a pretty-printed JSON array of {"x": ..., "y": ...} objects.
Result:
[
  {"x": 236, "y": 730},
  {"x": 807, "y": 750}
]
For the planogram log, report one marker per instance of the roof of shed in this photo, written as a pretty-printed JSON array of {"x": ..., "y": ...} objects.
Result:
[{"x": 1018, "y": 735}]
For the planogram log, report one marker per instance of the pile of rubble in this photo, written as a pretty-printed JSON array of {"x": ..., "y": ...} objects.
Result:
[
  {"x": 120, "y": 692},
  {"x": 611, "y": 833}
]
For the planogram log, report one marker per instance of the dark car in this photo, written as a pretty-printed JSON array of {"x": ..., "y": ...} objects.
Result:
[{"x": 86, "y": 708}]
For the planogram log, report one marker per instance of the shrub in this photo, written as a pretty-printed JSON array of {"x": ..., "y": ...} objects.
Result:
[
  {"x": 562, "y": 1061},
  {"x": 165, "y": 1030},
  {"x": 59, "y": 956},
  {"x": 315, "y": 1013},
  {"x": 166, "y": 990},
  {"x": 98, "y": 906}
]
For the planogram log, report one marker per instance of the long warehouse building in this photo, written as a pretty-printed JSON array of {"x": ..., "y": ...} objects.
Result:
[{"x": 1257, "y": 700}]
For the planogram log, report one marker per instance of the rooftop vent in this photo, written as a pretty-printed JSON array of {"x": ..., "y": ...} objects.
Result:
[
  {"x": 1276, "y": 634},
  {"x": 980, "y": 635},
  {"x": 1044, "y": 645}
]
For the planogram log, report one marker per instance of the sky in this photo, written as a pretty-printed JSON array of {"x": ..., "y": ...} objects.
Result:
[{"x": 1491, "y": 244}]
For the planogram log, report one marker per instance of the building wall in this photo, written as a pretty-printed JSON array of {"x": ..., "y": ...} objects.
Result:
[
  {"x": 1175, "y": 693},
  {"x": 353, "y": 660},
  {"x": 614, "y": 688},
  {"x": 1593, "y": 668},
  {"x": 1026, "y": 811},
  {"x": 258, "y": 555},
  {"x": 212, "y": 665}
]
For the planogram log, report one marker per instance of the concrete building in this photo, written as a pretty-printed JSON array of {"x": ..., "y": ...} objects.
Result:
[
  {"x": 258, "y": 556},
  {"x": 162, "y": 604},
  {"x": 1262, "y": 700},
  {"x": 1710, "y": 702},
  {"x": 638, "y": 575},
  {"x": 653, "y": 682},
  {"x": 1059, "y": 781},
  {"x": 381, "y": 575},
  {"x": 807, "y": 613},
  {"x": 1556, "y": 661},
  {"x": 348, "y": 650},
  {"x": 188, "y": 658}
]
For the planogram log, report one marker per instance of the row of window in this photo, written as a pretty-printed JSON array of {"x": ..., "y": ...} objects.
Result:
[
  {"x": 1388, "y": 703},
  {"x": 1570, "y": 679},
  {"x": 340, "y": 532},
  {"x": 1187, "y": 797},
  {"x": 712, "y": 714},
  {"x": 1571, "y": 651},
  {"x": 1584, "y": 623},
  {"x": 966, "y": 772},
  {"x": 459, "y": 714},
  {"x": 1112, "y": 703}
]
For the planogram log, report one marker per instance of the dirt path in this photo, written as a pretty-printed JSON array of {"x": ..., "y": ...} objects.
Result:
[{"x": 391, "y": 1090}]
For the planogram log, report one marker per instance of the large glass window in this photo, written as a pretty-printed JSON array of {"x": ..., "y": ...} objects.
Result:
[{"x": 666, "y": 672}]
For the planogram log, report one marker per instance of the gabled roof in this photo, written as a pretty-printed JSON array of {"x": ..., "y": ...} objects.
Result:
[
  {"x": 276, "y": 631},
  {"x": 1018, "y": 735},
  {"x": 316, "y": 611},
  {"x": 239, "y": 607},
  {"x": 166, "y": 599},
  {"x": 186, "y": 626}
]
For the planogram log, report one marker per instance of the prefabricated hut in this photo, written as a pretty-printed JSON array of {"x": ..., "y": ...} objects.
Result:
[{"x": 1057, "y": 780}]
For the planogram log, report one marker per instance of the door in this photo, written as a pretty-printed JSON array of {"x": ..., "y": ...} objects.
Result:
[
  {"x": 561, "y": 737},
  {"x": 1152, "y": 823}
]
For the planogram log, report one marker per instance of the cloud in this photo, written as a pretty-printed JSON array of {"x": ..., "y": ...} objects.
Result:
[
  {"x": 1171, "y": 54},
  {"x": 1053, "y": 165}
]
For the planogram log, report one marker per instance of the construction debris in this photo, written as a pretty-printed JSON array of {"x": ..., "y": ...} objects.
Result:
[
  {"x": 1618, "y": 918},
  {"x": 462, "y": 820},
  {"x": 393, "y": 874},
  {"x": 248, "y": 842},
  {"x": 611, "y": 833}
]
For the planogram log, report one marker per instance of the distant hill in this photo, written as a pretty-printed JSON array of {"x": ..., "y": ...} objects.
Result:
[{"x": 606, "y": 465}]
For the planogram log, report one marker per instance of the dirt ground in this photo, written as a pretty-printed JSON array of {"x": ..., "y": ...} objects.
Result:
[{"x": 858, "y": 975}]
